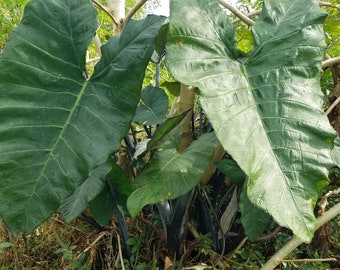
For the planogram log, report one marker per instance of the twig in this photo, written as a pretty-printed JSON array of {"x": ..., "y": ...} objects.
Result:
[
  {"x": 332, "y": 105},
  {"x": 311, "y": 260},
  {"x": 120, "y": 252},
  {"x": 327, "y": 4},
  {"x": 237, "y": 13},
  {"x": 249, "y": 15},
  {"x": 92, "y": 59},
  {"x": 246, "y": 18},
  {"x": 133, "y": 10},
  {"x": 101, "y": 235},
  {"x": 240, "y": 245},
  {"x": 330, "y": 62},
  {"x": 100, "y": 6},
  {"x": 269, "y": 236},
  {"x": 324, "y": 201},
  {"x": 277, "y": 258}
]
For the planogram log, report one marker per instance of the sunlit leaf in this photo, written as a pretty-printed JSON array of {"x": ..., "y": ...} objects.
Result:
[{"x": 265, "y": 108}]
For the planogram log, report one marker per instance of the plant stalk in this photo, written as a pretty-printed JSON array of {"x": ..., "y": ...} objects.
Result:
[
  {"x": 277, "y": 258},
  {"x": 187, "y": 96}
]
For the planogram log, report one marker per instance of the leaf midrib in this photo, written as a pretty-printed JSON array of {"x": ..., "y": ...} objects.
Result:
[{"x": 60, "y": 137}]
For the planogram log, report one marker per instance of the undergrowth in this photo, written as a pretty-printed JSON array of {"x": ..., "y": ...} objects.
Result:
[{"x": 57, "y": 245}]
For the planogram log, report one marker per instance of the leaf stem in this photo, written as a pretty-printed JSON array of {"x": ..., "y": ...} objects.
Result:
[{"x": 277, "y": 258}]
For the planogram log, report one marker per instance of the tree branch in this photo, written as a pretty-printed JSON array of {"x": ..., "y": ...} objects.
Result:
[
  {"x": 100, "y": 6},
  {"x": 249, "y": 15},
  {"x": 237, "y": 13},
  {"x": 277, "y": 258},
  {"x": 330, "y": 62},
  {"x": 134, "y": 9},
  {"x": 327, "y": 4},
  {"x": 246, "y": 17},
  {"x": 332, "y": 106}
]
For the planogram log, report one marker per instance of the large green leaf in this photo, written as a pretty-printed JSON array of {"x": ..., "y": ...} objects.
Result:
[
  {"x": 167, "y": 129},
  {"x": 72, "y": 206},
  {"x": 115, "y": 193},
  {"x": 153, "y": 107},
  {"x": 265, "y": 109},
  {"x": 171, "y": 174},
  {"x": 56, "y": 126},
  {"x": 253, "y": 218},
  {"x": 335, "y": 154}
]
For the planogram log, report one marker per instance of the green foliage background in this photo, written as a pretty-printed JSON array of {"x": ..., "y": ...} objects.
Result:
[{"x": 10, "y": 16}]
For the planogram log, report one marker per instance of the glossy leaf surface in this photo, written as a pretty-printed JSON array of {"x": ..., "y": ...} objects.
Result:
[{"x": 265, "y": 107}]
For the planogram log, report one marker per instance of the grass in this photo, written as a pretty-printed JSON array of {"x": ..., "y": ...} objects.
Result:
[{"x": 57, "y": 245}]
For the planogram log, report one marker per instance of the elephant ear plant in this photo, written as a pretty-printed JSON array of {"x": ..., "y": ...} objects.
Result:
[
  {"x": 265, "y": 106},
  {"x": 58, "y": 127}
]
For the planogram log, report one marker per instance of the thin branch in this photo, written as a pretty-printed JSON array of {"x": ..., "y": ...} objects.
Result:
[
  {"x": 311, "y": 260},
  {"x": 277, "y": 258},
  {"x": 327, "y": 4},
  {"x": 246, "y": 17},
  {"x": 249, "y": 15},
  {"x": 333, "y": 105},
  {"x": 237, "y": 13},
  {"x": 269, "y": 236},
  {"x": 90, "y": 60},
  {"x": 103, "y": 8},
  {"x": 133, "y": 10},
  {"x": 330, "y": 62},
  {"x": 120, "y": 251}
]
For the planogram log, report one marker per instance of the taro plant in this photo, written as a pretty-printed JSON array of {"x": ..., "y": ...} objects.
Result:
[
  {"x": 61, "y": 129},
  {"x": 265, "y": 105}
]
